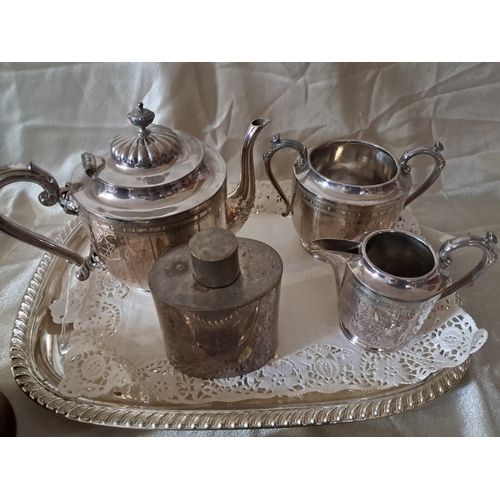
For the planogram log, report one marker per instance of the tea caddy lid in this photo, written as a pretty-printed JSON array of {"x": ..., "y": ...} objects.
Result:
[
  {"x": 148, "y": 171},
  {"x": 215, "y": 271}
]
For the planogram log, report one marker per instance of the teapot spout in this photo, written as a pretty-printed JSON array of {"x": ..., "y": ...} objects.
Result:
[
  {"x": 337, "y": 253},
  {"x": 240, "y": 202}
]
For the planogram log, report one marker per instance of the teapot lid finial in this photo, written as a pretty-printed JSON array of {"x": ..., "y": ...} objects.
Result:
[
  {"x": 141, "y": 117},
  {"x": 150, "y": 147}
]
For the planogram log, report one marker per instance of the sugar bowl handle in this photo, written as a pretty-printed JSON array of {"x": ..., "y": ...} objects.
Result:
[
  {"x": 51, "y": 195},
  {"x": 278, "y": 144},
  {"x": 487, "y": 245},
  {"x": 435, "y": 152}
]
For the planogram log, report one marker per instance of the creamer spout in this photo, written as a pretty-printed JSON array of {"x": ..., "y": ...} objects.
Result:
[{"x": 337, "y": 253}]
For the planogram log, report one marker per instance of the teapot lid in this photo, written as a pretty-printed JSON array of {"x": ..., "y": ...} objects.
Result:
[
  {"x": 149, "y": 169},
  {"x": 144, "y": 160},
  {"x": 148, "y": 147}
]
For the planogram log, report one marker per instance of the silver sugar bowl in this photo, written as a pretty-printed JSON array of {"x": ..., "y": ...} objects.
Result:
[
  {"x": 343, "y": 188},
  {"x": 388, "y": 281},
  {"x": 152, "y": 190},
  {"x": 217, "y": 300}
]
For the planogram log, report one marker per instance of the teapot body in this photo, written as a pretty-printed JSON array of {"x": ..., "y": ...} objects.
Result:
[
  {"x": 130, "y": 228},
  {"x": 129, "y": 248}
]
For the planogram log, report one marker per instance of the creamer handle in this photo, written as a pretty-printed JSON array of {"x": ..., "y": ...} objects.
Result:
[{"x": 487, "y": 245}]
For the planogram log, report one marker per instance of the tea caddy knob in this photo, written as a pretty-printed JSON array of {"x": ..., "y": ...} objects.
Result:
[{"x": 214, "y": 257}]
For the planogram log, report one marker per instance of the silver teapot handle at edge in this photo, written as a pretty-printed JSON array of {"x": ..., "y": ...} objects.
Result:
[
  {"x": 51, "y": 195},
  {"x": 487, "y": 245},
  {"x": 435, "y": 152},
  {"x": 276, "y": 145}
]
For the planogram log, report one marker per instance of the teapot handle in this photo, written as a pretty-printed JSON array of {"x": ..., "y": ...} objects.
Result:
[
  {"x": 486, "y": 244},
  {"x": 49, "y": 197},
  {"x": 278, "y": 144},
  {"x": 435, "y": 152}
]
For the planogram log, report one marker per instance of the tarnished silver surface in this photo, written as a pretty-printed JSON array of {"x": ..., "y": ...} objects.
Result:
[
  {"x": 34, "y": 369},
  {"x": 389, "y": 280},
  {"x": 218, "y": 321},
  {"x": 344, "y": 188},
  {"x": 152, "y": 190}
]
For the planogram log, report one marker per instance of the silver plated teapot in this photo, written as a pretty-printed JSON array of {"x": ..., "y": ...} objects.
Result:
[
  {"x": 152, "y": 190},
  {"x": 389, "y": 280},
  {"x": 343, "y": 188}
]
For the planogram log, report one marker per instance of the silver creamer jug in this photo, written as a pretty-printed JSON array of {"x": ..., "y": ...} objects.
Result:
[{"x": 389, "y": 280}]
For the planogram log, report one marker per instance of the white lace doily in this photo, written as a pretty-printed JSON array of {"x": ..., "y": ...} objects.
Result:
[{"x": 111, "y": 344}]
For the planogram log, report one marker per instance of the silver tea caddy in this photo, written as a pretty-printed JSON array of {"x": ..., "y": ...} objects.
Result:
[
  {"x": 152, "y": 190},
  {"x": 343, "y": 188},
  {"x": 388, "y": 281},
  {"x": 217, "y": 300}
]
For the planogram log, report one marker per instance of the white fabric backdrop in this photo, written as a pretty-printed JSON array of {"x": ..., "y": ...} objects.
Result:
[{"x": 50, "y": 113}]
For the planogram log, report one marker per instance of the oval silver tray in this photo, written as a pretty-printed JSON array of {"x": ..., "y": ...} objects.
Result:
[{"x": 36, "y": 371}]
